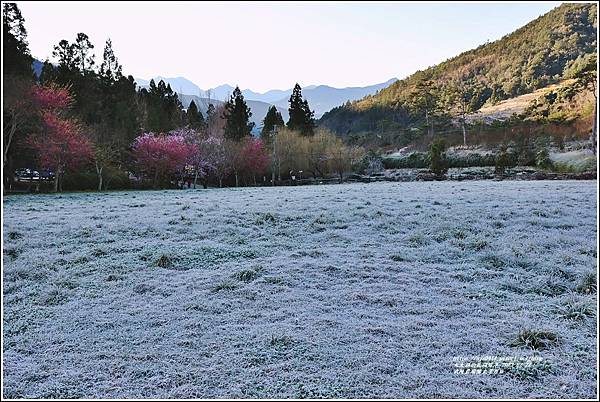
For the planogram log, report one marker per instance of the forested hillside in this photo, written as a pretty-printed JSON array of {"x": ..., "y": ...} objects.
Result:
[{"x": 548, "y": 50}]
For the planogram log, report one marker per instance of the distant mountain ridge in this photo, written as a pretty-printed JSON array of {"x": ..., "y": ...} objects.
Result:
[{"x": 321, "y": 98}]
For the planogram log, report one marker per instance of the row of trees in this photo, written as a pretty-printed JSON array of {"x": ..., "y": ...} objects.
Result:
[
  {"x": 203, "y": 156},
  {"x": 319, "y": 155},
  {"x": 59, "y": 141},
  {"x": 75, "y": 116},
  {"x": 186, "y": 153}
]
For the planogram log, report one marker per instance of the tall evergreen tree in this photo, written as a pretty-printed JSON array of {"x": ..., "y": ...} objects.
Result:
[
  {"x": 272, "y": 119},
  {"x": 17, "y": 78},
  {"x": 426, "y": 102},
  {"x": 65, "y": 53},
  {"x": 211, "y": 118},
  {"x": 301, "y": 117},
  {"x": 163, "y": 108},
  {"x": 110, "y": 69},
  {"x": 237, "y": 117},
  {"x": 194, "y": 117},
  {"x": 17, "y": 59},
  {"x": 82, "y": 48},
  {"x": 309, "y": 119}
]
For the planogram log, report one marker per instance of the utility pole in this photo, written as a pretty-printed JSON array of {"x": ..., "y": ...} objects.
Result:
[{"x": 274, "y": 141}]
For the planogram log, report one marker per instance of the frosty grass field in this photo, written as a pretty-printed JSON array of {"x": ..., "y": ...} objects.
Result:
[{"x": 339, "y": 291}]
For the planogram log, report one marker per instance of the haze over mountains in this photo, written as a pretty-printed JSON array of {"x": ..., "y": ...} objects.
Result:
[{"x": 321, "y": 98}]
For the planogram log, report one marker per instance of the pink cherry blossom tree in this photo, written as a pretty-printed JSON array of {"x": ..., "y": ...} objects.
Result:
[
  {"x": 160, "y": 155},
  {"x": 204, "y": 148}
]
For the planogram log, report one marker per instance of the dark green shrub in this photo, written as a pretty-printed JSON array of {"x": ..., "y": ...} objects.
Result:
[
  {"x": 504, "y": 160},
  {"x": 371, "y": 163},
  {"x": 115, "y": 179},
  {"x": 438, "y": 163},
  {"x": 542, "y": 155},
  {"x": 80, "y": 181}
]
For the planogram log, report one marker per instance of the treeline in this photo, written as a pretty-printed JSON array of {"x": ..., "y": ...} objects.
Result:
[
  {"x": 557, "y": 46},
  {"x": 84, "y": 123}
]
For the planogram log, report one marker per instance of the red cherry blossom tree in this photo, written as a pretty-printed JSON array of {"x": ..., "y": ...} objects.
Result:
[
  {"x": 254, "y": 157},
  {"x": 60, "y": 145},
  {"x": 51, "y": 97}
]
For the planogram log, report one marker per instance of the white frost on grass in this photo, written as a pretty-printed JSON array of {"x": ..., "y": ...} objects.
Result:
[{"x": 362, "y": 290}]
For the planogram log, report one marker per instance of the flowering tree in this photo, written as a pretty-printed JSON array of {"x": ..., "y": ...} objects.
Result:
[
  {"x": 254, "y": 157},
  {"x": 61, "y": 145},
  {"x": 51, "y": 97},
  {"x": 201, "y": 159},
  {"x": 246, "y": 157},
  {"x": 161, "y": 155},
  {"x": 233, "y": 158},
  {"x": 22, "y": 101}
]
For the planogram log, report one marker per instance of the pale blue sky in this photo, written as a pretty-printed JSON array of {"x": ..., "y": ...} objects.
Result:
[{"x": 265, "y": 46}]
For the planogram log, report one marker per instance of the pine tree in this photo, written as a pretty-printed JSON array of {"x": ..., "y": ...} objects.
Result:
[
  {"x": 301, "y": 117},
  {"x": 237, "y": 117},
  {"x": 296, "y": 111},
  {"x": 194, "y": 117},
  {"x": 65, "y": 54},
  {"x": 272, "y": 119},
  {"x": 309, "y": 119},
  {"x": 164, "y": 110},
  {"x": 82, "y": 48},
  {"x": 110, "y": 69},
  {"x": 17, "y": 59},
  {"x": 426, "y": 101},
  {"x": 211, "y": 118}
]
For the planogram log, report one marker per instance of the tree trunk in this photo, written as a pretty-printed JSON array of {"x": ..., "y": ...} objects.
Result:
[
  {"x": 56, "y": 179},
  {"x": 237, "y": 181},
  {"x": 99, "y": 173},
  {"x": 341, "y": 177},
  {"x": 220, "y": 182},
  {"x": 593, "y": 135},
  {"x": 155, "y": 179},
  {"x": 11, "y": 133},
  {"x": 9, "y": 173},
  {"x": 464, "y": 130},
  {"x": 195, "y": 178}
]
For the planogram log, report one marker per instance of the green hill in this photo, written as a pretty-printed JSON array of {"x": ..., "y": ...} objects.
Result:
[{"x": 544, "y": 52}]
